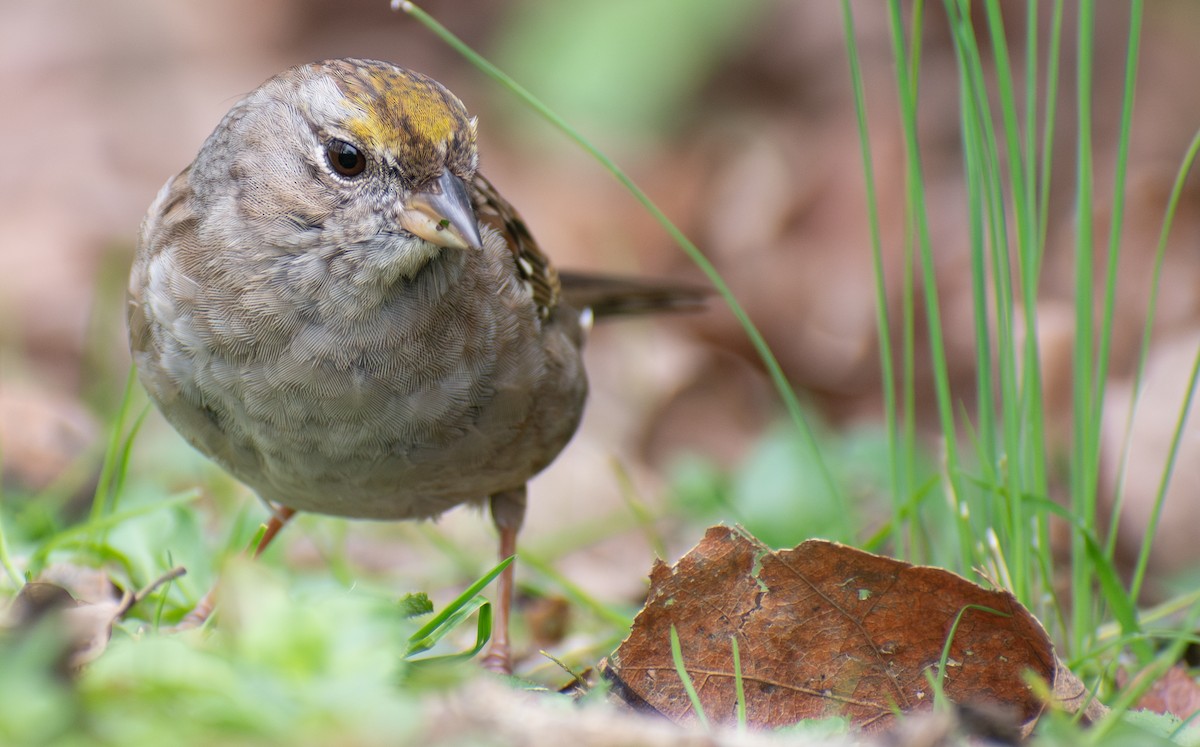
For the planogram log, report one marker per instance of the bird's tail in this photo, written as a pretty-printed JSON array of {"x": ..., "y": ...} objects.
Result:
[{"x": 613, "y": 296}]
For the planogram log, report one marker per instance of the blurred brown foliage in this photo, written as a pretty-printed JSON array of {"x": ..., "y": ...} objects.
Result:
[{"x": 761, "y": 167}]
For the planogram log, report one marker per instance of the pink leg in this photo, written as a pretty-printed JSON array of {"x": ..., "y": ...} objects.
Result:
[
  {"x": 282, "y": 515},
  {"x": 204, "y": 608},
  {"x": 508, "y": 513}
]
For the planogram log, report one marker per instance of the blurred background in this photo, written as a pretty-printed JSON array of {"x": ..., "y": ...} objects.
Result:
[{"x": 736, "y": 116}]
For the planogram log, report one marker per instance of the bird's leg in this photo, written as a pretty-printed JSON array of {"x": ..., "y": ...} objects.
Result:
[
  {"x": 279, "y": 516},
  {"x": 204, "y": 608},
  {"x": 508, "y": 513}
]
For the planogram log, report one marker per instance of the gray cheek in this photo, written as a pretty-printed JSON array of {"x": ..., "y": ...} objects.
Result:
[{"x": 275, "y": 191}]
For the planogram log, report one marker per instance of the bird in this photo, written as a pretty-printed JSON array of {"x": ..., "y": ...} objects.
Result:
[{"x": 334, "y": 304}]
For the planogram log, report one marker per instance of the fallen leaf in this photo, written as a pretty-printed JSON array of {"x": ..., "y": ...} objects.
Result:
[
  {"x": 824, "y": 630},
  {"x": 1176, "y": 693},
  {"x": 1072, "y": 696},
  {"x": 85, "y": 626}
]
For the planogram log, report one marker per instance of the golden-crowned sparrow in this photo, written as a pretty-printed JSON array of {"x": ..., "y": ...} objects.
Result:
[{"x": 335, "y": 306}]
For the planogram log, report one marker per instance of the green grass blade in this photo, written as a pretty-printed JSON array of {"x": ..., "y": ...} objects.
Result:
[
  {"x": 575, "y": 593},
  {"x": 1143, "y": 559},
  {"x": 918, "y": 211},
  {"x": 483, "y": 633},
  {"x": 900, "y": 450},
  {"x": 113, "y": 452},
  {"x": 1084, "y": 421},
  {"x": 1118, "y": 200},
  {"x": 944, "y": 658},
  {"x": 10, "y": 568},
  {"x": 440, "y": 620},
  {"x": 81, "y": 532},
  {"x": 739, "y": 686},
  {"x": 1185, "y": 168},
  {"x": 686, "y": 679}
]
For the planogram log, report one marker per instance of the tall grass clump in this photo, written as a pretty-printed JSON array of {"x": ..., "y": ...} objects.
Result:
[{"x": 999, "y": 479}]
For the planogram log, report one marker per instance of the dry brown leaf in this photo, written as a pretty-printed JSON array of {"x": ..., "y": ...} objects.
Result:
[
  {"x": 86, "y": 626},
  {"x": 1071, "y": 695},
  {"x": 1176, "y": 693},
  {"x": 824, "y": 630}
]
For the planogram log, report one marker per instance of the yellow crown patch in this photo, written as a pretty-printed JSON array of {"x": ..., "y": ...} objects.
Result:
[{"x": 404, "y": 113}]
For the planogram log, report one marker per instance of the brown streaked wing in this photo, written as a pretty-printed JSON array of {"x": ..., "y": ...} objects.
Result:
[{"x": 533, "y": 266}]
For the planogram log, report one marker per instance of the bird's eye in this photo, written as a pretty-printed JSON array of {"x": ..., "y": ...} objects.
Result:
[{"x": 344, "y": 158}]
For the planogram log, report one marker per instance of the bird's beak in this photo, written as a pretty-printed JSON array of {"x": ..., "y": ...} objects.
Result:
[{"x": 442, "y": 214}]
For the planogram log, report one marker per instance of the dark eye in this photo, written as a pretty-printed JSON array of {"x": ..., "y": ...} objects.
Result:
[{"x": 344, "y": 158}]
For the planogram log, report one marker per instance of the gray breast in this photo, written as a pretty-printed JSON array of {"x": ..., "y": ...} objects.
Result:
[{"x": 375, "y": 402}]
